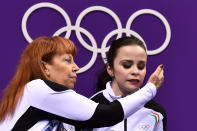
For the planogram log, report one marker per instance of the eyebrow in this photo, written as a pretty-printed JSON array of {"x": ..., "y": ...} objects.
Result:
[
  {"x": 67, "y": 55},
  {"x": 126, "y": 60},
  {"x": 123, "y": 61}
]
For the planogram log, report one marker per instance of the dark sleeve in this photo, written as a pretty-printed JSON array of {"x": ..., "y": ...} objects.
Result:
[
  {"x": 105, "y": 115},
  {"x": 99, "y": 98}
]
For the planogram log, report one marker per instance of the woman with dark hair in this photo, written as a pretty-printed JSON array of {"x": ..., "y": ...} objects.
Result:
[
  {"x": 123, "y": 76},
  {"x": 40, "y": 93}
]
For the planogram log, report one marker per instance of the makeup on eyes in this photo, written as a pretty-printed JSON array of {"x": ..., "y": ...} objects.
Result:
[
  {"x": 141, "y": 65},
  {"x": 127, "y": 64},
  {"x": 67, "y": 59}
]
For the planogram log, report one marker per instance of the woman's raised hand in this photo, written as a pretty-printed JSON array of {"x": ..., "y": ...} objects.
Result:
[{"x": 157, "y": 77}]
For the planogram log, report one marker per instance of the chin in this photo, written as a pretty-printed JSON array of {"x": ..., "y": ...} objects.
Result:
[
  {"x": 133, "y": 89},
  {"x": 71, "y": 87}
]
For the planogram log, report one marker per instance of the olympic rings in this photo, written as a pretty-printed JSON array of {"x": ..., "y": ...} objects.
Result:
[
  {"x": 162, "y": 18},
  {"x": 43, "y": 5},
  {"x": 92, "y": 40},
  {"x": 78, "y": 30},
  {"x": 128, "y": 33},
  {"x": 96, "y": 8},
  {"x": 143, "y": 127}
]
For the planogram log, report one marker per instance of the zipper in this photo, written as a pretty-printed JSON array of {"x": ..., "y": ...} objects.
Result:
[{"x": 125, "y": 125}]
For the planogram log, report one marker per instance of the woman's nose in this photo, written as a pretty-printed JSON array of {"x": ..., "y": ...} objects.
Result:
[
  {"x": 134, "y": 70},
  {"x": 75, "y": 67}
]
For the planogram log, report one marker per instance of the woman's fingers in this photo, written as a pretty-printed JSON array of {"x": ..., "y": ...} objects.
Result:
[
  {"x": 159, "y": 70},
  {"x": 157, "y": 78}
]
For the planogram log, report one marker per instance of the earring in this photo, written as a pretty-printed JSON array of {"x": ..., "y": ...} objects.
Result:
[{"x": 47, "y": 73}]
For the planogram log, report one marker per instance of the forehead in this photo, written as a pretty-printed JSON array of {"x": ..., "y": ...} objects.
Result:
[
  {"x": 58, "y": 57},
  {"x": 62, "y": 55},
  {"x": 131, "y": 52}
]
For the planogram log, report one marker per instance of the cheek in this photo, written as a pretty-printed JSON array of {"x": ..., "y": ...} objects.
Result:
[
  {"x": 121, "y": 73},
  {"x": 60, "y": 69},
  {"x": 143, "y": 74}
]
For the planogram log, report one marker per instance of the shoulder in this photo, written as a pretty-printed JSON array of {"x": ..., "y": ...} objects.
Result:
[
  {"x": 35, "y": 82},
  {"x": 46, "y": 85},
  {"x": 156, "y": 107},
  {"x": 36, "y": 85},
  {"x": 36, "y": 90},
  {"x": 40, "y": 89}
]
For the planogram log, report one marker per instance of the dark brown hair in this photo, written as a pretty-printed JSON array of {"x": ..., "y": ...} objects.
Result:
[{"x": 104, "y": 77}]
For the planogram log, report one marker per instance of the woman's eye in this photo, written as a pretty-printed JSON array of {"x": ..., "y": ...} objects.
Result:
[
  {"x": 141, "y": 66},
  {"x": 127, "y": 65},
  {"x": 68, "y": 60}
]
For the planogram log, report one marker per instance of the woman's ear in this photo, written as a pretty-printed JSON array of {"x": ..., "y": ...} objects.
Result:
[
  {"x": 46, "y": 68},
  {"x": 110, "y": 70},
  {"x": 44, "y": 64}
]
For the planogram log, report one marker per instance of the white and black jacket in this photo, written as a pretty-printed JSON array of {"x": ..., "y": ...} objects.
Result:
[
  {"x": 43, "y": 100},
  {"x": 151, "y": 117}
]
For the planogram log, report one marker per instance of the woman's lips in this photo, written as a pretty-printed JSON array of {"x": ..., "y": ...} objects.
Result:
[
  {"x": 134, "y": 81},
  {"x": 74, "y": 78}
]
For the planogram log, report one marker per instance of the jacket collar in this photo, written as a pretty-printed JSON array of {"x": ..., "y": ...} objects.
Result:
[{"x": 111, "y": 92}]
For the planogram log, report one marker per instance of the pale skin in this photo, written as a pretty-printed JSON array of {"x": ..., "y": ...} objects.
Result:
[{"x": 130, "y": 69}]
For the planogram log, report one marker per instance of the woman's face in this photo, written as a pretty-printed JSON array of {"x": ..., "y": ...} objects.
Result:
[
  {"x": 129, "y": 69},
  {"x": 62, "y": 69}
]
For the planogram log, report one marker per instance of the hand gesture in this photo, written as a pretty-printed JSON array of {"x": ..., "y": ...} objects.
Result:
[{"x": 157, "y": 77}]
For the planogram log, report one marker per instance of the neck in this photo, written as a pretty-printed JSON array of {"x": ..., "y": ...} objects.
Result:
[{"x": 118, "y": 91}]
